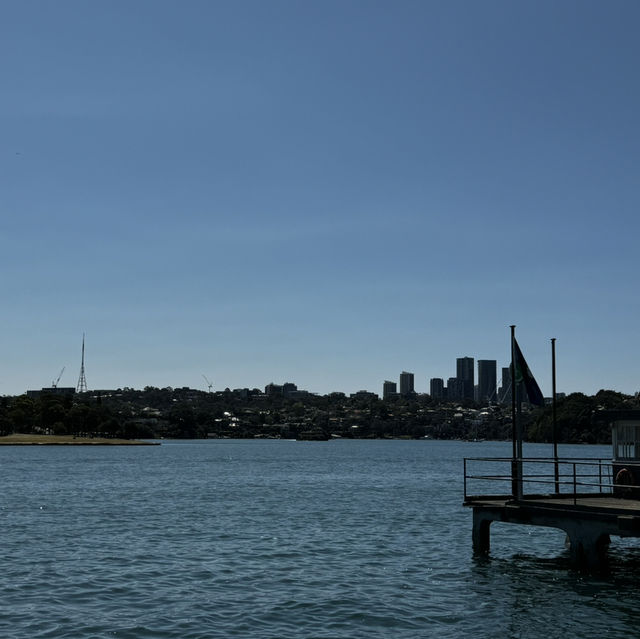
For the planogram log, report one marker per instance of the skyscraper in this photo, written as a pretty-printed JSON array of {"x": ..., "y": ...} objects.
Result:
[
  {"x": 389, "y": 389},
  {"x": 406, "y": 384},
  {"x": 436, "y": 388},
  {"x": 505, "y": 389},
  {"x": 455, "y": 389},
  {"x": 487, "y": 370},
  {"x": 465, "y": 372}
]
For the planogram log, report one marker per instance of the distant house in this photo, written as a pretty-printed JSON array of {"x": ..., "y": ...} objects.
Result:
[
  {"x": 363, "y": 394},
  {"x": 53, "y": 390}
]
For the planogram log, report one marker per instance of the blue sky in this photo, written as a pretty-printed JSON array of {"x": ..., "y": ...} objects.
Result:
[{"x": 320, "y": 192}]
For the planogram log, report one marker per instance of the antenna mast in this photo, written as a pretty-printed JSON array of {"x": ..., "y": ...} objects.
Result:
[{"x": 82, "y": 382}]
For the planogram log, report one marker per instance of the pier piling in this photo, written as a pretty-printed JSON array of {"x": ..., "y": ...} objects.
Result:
[{"x": 589, "y": 521}]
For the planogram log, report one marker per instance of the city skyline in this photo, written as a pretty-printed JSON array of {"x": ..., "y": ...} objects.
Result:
[
  {"x": 488, "y": 388},
  {"x": 326, "y": 192}
]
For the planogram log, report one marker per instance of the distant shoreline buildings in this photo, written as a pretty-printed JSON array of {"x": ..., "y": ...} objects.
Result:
[
  {"x": 462, "y": 386},
  {"x": 459, "y": 388}
]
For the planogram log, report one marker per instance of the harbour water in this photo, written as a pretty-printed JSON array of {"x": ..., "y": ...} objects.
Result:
[{"x": 279, "y": 539}]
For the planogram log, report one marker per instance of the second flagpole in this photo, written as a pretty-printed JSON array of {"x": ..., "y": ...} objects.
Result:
[{"x": 514, "y": 429}]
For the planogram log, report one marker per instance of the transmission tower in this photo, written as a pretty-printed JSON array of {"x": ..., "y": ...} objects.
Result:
[{"x": 82, "y": 381}]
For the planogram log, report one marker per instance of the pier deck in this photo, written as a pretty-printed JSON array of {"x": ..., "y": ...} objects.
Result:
[
  {"x": 606, "y": 504},
  {"x": 589, "y": 518}
]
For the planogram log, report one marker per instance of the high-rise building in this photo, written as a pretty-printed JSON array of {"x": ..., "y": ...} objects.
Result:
[
  {"x": 389, "y": 389},
  {"x": 455, "y": 389},
  {"x": 465, "y": 372},
  {"x": 436, "y": 388},
  {"x": 487, "y": 369},
  {"x": 406, "y": 384},
  {"x": 505, "y": 388}
]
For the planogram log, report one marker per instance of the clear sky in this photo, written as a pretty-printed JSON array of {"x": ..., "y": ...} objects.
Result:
[{"x": 323, "y": 192}]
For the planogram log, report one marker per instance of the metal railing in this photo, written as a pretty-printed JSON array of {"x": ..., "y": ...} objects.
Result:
[{"x": 539, "y": 475}]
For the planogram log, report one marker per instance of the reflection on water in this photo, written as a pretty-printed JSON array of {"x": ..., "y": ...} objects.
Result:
[{"x": 544, "y": 597}]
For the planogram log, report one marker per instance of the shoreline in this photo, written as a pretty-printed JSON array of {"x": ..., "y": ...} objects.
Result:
[{"x": 19, "y": 439}]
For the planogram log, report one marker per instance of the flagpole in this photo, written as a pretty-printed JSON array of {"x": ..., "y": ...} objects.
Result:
[
  {"x": 514, "y": 463},
  {"x": 553, "y": 412},
  {"x": 520, "y": 483},
  {"x": 521, "y": 376}
]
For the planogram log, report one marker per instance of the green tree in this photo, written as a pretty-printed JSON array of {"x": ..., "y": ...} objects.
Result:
[
  {"x": 52, "y": 410},
  {"x": 22, "y": 414},
  {"x": 182, "y": 422}
]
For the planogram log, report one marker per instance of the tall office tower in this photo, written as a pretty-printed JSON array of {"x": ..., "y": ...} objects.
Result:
[
  {"x": 465, "y": 372},
  {"x": 436, "y": 388},
  {"x": 455, "y": 389},
  {"x": 406, "y": 384},
  {"x": 389, "y": 389},
  {"x": 487, "y": 369},
  {"x": 505, "y": 389}
]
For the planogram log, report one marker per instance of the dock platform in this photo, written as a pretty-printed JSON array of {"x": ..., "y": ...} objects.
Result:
[{"x": 588, "y": 518}]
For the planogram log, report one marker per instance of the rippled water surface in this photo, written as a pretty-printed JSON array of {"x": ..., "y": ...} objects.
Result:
[{"x": 224, "y": 538}]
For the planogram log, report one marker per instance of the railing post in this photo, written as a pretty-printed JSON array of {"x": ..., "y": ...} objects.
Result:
[
  {"x": 574, "y": 483},
  {"x": 465, "y": 478},
  {"x": 600, "y": 474},
  {"x": 559, "y": 473}
]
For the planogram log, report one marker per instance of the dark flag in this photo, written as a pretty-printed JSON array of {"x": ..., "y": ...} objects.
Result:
[{"x": 523, "y": 374}]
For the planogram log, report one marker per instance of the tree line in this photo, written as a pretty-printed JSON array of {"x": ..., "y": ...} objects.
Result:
[{"x": 186, "y": 413}]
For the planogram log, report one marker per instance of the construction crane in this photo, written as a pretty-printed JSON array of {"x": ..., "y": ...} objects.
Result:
[
  {"x": 55, "y": 384},
  {"x": 209, "y": 384}
]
